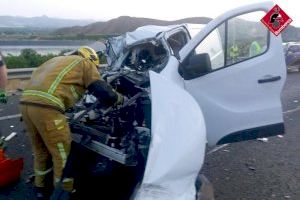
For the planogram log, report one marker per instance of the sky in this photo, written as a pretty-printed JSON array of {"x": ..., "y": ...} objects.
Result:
[{"x": 102, "y": 10}]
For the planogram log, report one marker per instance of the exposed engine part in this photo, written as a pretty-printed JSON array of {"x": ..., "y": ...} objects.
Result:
[
  {"x": 126, "y": 157},
  {"x": 119, "y": 133}
]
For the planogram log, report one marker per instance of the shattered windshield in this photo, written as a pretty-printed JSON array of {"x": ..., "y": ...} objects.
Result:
[
  {"x": 114, "y": 48},
  {"x": 141, "y": 56}
]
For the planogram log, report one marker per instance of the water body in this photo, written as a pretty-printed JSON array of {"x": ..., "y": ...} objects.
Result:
[{"x": 41, "y": 46}]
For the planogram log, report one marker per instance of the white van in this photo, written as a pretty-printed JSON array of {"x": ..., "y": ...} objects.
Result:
[{"x": 199, "y": 94}]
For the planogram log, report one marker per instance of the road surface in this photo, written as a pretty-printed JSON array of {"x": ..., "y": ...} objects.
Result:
[{"x": 251, "y": 170}]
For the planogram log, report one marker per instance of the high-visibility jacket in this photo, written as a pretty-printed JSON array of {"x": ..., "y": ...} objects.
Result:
[
  {"x": 234, "y": 51},
  {"x": 255, "y": 49},
  {"x": 60, "y": 82}
]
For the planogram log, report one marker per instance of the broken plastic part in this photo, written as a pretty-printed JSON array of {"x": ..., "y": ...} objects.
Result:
[
  {"x": 10, "y": 136},
  {"x": 263, "y": 139}
]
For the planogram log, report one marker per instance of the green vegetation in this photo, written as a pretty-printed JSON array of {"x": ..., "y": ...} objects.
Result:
[
  {"x": 30, "y": 58},
  {"x": 27, "y": 58}
]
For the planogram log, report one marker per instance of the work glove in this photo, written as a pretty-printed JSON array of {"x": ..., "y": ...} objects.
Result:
[
  {"x": 121, "y": 99},
  {"x": 3, "y": 98}
]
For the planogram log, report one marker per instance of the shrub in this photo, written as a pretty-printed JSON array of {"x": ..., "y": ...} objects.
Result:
[
  {"x": 30, "y": 58},
  {"x": 27, "y": 58}
]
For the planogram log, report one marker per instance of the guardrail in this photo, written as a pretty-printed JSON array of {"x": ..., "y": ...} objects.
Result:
[
  {"x": 25, "y": 73},
  {"x": 22, "y": 73}
]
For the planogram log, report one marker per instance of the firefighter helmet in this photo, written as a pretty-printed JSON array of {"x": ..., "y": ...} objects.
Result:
[{"x": 87, "y": 52}]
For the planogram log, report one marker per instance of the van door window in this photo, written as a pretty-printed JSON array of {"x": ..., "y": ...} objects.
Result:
[
  {"x": 236, "y": 40},
  {"x": 214, "y": 44},
  {"x": 247, "y": 37},
  {"x": 177, "y": 41}
]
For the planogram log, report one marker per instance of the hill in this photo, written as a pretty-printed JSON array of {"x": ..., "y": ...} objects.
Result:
[
  {"x": 291, "y": 34},
  {"x": 124, "y": 24},
  {"x": 40, "y": 22}
]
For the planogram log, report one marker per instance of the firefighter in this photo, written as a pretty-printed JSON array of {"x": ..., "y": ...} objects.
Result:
[
  {"x": 234, "y": 53},
  {"x": 3, "y": 80},
  {"x": 55, "y": 86},
  {"x": 255, "y": 49}
]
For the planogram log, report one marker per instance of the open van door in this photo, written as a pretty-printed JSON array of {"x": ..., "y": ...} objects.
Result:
[{"x": 235, "y": 70}]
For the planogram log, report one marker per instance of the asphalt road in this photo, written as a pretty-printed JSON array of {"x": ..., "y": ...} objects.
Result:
[{"x": 251, "y": 170}]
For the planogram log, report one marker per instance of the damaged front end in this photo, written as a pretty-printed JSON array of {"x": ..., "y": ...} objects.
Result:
[
  {"x": 144, "y": 49},
  {"x": 123, "y": 152},
  {"x": 112, "y": 143}
]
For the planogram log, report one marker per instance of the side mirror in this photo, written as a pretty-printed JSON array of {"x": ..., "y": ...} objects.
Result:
[{"x": 196, "y": 66}]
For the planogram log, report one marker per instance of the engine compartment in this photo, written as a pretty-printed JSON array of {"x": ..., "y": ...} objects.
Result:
[
  {"x": 123, "y": 128},
  {"x": 112, "y": 143}
]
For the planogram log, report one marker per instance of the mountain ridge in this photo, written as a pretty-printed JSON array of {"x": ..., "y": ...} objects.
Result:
[
  {"x": 124, "y": 24},
  {"x": 7, "y": 21},
  {"x": 71, "y": 27}
]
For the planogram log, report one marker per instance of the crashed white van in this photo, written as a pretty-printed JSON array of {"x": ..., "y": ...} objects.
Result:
[{"x": 196, "y": 91}]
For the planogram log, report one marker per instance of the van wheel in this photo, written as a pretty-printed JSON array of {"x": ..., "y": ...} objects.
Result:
[{"x": 204, "y": 188}]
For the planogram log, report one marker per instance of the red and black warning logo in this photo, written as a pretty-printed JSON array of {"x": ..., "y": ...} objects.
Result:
[{"x": 276, "y": 20}]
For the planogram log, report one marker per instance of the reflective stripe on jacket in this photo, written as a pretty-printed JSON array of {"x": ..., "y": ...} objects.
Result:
[{"x": 60, "y": 82}]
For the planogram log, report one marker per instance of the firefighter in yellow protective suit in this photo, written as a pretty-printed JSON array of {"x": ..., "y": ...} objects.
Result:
[{"x": 54, "y": 87}]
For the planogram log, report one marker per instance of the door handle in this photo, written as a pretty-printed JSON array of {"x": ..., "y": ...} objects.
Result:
[{"x": 268, "y": 79}]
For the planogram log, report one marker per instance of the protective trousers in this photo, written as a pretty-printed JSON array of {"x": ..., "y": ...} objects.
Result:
[{"x": 51, "y": 140}]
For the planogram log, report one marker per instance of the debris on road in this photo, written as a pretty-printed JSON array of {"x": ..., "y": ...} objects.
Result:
[
  {"x": 10, "y": 136},
  {"x": 12, "y": 126},
  {"x": 250, "y": 164},
  {"x": 217, "y": 149},
  {"x": 280, "y": 136},
  {"x": 251, "y": 167},
  {"x": 287, "y": 197},
  {"x": 263, "y": 139}
]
